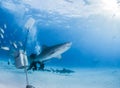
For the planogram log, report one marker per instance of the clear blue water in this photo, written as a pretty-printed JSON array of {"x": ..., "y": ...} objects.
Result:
[{"x": 95, "y": 39}]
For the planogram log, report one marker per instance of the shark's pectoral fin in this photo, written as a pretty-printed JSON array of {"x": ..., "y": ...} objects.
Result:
[{"x": 59, "y": 57}]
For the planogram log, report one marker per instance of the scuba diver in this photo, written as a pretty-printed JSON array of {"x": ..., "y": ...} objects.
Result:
[{"x": 36, "y": 65}]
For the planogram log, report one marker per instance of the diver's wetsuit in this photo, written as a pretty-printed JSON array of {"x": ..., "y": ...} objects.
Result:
[
  {"x": 34, "y": 66},
  {"x": 42, "y": 65}
]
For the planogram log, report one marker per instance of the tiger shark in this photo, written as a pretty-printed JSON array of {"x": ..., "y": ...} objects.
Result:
[{"x": 48, "y": 53}]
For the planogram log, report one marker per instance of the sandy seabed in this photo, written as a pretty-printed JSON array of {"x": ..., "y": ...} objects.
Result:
[{"x": 10, "y": 77}]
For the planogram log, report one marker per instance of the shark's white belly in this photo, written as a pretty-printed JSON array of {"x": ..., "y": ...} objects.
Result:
[{"x": 53, "y": 55}]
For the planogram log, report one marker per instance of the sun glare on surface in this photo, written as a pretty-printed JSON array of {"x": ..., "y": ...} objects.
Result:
[{"x": 111, "y": 7}]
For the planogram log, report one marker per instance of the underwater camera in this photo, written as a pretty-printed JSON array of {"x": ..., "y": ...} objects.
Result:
[{"x": 21, "y": 60}]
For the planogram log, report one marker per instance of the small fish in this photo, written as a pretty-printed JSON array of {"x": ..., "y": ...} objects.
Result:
[
  {"x": 20, "y": 43},
  {"x": 5, "y": 48},
  {"x": 14, "y": 44},
  {"x": 1, "y": 35},
  {"x": 2, "y": 30},
  {"x": 9, "y": 61},
  {"x": 5, "y": 26}
]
